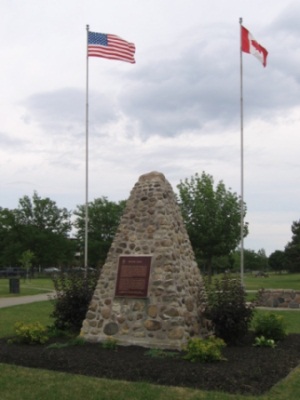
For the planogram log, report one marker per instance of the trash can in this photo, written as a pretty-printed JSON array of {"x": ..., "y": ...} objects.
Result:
[{"x": 14, "y": 285}]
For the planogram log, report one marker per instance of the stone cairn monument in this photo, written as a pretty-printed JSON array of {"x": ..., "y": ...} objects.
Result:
[{"x": 147, "y": 291}]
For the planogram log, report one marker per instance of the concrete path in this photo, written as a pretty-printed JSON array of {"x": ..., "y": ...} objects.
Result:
[{"x": 15, "y": 301}]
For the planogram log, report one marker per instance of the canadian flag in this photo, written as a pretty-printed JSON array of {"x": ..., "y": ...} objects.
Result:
[{"x": 251, "y": 46}]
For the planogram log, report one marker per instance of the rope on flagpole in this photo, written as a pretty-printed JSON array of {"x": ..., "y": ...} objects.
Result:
[
  {"x": 86, "y": 161},
  {"x": 242, "y": 156}
]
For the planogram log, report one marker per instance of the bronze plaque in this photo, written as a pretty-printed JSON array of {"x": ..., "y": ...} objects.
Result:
[{"x": 133, "y": 276}]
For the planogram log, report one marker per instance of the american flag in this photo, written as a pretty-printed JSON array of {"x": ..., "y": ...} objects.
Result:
[{"x": 110, "y": 46}]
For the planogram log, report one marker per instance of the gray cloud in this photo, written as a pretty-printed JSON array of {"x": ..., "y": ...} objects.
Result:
[
  {"x": 178, "y": 95},
  {"x": 186, "y": 92},
  {"x": 64, "y": 110},
  {"x": 11, "y": 143},
  {"x": 288, "y": 20},
  {"x": 198, "y": 88}
]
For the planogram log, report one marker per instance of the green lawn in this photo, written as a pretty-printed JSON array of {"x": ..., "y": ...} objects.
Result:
[
  {"x": 27, "y": 288},
  {"x": 274, "y": 281},
  {"x": 28, "y": 313},
  {"x": 18, "y": 383}
]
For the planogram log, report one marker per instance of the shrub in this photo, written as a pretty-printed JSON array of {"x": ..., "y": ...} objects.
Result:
[
  {"x": 34, "y": 333},
  {"x": 110, "y": 343},
  {"x": 73, "y": 295},
  {"x": 261, "y": 341},
  {"x": 54, "y": 332},
  {"x": 270, "y": 325},
  {"x": 204, "y": 350},
  {"x": 227, "y": 309}
]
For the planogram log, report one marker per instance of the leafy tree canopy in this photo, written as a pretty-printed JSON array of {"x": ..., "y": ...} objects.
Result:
[
  {"x": 38, "y": 226},
  {"x": 292, "y": 249},
  {"x": 43, "y": 214},
  {"x": 212, "y": 215},
  {"x": 253, "y": 261},
  {"x": 104, "y": 217},
  {"x": 277, "y": 260}
]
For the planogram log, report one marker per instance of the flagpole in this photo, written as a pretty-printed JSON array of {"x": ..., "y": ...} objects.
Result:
[
  {"x": 242, "y": 156},
  {"x": 86, "y": 160}
]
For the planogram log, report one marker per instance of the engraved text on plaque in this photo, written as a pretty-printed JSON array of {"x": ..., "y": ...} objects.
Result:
[{"x": 133, "y": 276}]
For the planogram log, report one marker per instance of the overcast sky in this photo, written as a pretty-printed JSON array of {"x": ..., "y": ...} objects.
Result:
[{"x": 176, "y": 111}]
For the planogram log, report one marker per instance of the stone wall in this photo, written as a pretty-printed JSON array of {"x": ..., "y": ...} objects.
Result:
[
  {"x": 279, "y": 298},
  {"x": 151, "y": 225}
]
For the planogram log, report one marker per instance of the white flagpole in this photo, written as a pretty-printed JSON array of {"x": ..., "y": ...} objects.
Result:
[
  {"x": 242, "y": 156},
  {"x": 86, "y": 160}
]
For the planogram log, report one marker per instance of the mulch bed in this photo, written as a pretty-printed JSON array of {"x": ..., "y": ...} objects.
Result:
[{"x": 247, "y": 370}]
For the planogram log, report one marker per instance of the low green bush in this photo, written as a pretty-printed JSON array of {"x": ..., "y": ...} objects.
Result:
[
  {"x": 73, "y": 295},
  {"x": 227, "y": 309},
  {"x": 270, "y": 325},
  {"x": 204, "y": 350},
  {"x": 34, "y": 333}
]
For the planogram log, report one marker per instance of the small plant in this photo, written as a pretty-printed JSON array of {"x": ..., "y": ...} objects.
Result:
[
  {"x": 58, "y": 345},
  {"x": 270, "y": 325},
  {"x": 54, "y": 332},
  {"x": 77, "y": 341},
  {"x": 261, "y": 341},
  {"x": 34, "y": 333},
  {"x": 205, "y": 350},
  {"x": 160, "y": 353},
  {"x": 110, "y": 343}
]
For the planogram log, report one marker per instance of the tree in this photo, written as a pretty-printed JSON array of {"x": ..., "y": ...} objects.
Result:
[
  {"x": 104, "y": 218},
  {"x": 292, "y": 249},
  {"x": 43, "y": 214},
  {"x": 277, "y": 260},
  {"x": 39, "y": 225},
  {"x": 253, "y": 261},
  {"x": 26, "y": 261},
  {"x": 263, "y": 260},
  {"x": 223, "y": 264},
  {"x": 212, "y": 217},
  {"x": 11, "y": 238}
]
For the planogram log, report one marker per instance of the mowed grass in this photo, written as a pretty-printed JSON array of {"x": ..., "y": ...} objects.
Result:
[
  {"x": 28, "y": 313},
  {"x": 18, "y": 383},
  {"x": 273, "y": 281},
  {"x": 27, "y": 287}
]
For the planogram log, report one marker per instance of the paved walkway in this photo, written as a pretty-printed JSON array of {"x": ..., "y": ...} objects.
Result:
[{"x": 15, "y": 301}]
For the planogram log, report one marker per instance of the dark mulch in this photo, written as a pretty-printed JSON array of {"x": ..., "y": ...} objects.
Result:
[{"x": 248, "y": 369}]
